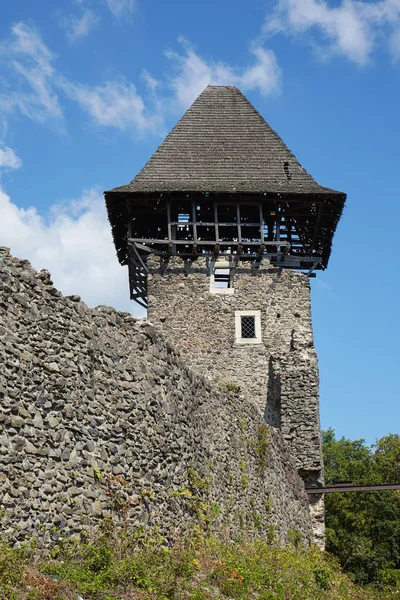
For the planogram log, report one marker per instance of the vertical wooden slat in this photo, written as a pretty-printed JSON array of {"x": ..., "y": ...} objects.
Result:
[
  {"x": 194, "y": 221},
  {"x": 216, "y": 223},
  {"x": 278, "y": 232},
  {"x": 261, "y": 223},
  {"x": 169, "y": 220},
  {"x": 170, "y": 245},
  {"x": 239, "y": 226}
]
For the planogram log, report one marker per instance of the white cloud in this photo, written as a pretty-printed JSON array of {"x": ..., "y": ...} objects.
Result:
[
  {"x": 74, "y": 243},
  {"x": 151, "y": 82},
  {"x": 8, "y": 159},
  {"x": 193, "y": 73},
  {"x": 79, "y": 26},
  {"x": 352, "y": 29},
  {"x": 33, "y": 93},
  {"x": 121, "y": 8},
  {"x": 113, "y": 104}
]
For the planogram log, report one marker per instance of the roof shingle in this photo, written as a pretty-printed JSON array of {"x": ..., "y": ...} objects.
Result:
[{"x": 222, "y": 144}]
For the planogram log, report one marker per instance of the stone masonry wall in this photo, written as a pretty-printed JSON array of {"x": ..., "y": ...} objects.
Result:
[
  {"x": 280, "y": 373},
  {"x": 202, "y": 326},
  {"x": 92, "y": 400}
]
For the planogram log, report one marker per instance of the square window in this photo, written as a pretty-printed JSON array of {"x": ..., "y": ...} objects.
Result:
[
  {"x": 221, "y": 278},
  {"x": 247, "y": 327}
]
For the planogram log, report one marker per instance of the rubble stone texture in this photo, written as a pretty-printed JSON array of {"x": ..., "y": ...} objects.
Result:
[
  {"x": 92, "y": 400},
  {"x": 280, "y": 374}
]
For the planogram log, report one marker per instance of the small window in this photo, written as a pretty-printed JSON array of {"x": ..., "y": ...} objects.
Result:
[
  {"x": 247, "y": 327},
  {"x": 221, "y": 278},
  {"x": 248, "y": 324}
]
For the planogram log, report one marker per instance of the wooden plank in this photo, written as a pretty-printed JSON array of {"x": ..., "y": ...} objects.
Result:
[
  {"x": 278, "y": 232},
  {"x": 169, "y": 224},
  {"x": 150, "y": 250},
  {"x": 211, "y": 224},
  {"x": 239, "y": 227},
  {"x": 205, "y": 242},
  {"x": 216, "y": 223},
  {"x": 169, "y": 220},
  {"x": 194, "y": 221},
  {"x": 261, "y": 223},
  {"x": 316, "y": 227}
]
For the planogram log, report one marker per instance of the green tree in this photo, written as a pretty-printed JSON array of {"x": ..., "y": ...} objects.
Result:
[{"x": 363, "y": 528}]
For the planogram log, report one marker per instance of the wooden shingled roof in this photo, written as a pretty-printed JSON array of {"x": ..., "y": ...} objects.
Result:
[
  {"x": 222, "y": 144},
  {"x": 222, "y": 147}
]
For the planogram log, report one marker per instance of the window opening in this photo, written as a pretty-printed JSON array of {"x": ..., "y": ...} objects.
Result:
[
  {"x": 248, "y": 327},
  {"x": 222, "y": 278},
  {"x": 183, "y": 217}
]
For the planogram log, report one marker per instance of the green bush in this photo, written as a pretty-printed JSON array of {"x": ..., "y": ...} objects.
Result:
[{"x": 138, "y": 567}]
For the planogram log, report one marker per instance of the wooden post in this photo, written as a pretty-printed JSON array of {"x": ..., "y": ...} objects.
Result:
[
  {"x": 216, "y": 223},
  {"x": 171, "y": 246},
  {"x": 239, "y": 225},
  {"x": 194, "y": 222},
  {"x": 278, "y": 233},
  {"x": 261, "y": 223}
]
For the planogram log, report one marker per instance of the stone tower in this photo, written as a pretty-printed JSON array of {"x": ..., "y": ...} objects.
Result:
[{"x": 221, "y": 231}]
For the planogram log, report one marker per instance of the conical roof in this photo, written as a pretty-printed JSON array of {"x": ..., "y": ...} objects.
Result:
[{"x": 222, "y": 144}]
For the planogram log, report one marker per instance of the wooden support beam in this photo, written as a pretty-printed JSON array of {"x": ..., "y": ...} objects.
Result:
[
  {"x": 314, "y": 266},
  {"x": 205, "y": 242},
  {"x": 261, "y": 222},
  {"x": 211, "y": 224},
  {"x": 239, "y": 227},
  {"x": 216, "y": 223},
  {"x": 142, "y": 264},
  {"x": 150, "y": 250},
  {"x": 316, "y": 227},
  {"x": 194, "y": 220},
  {"x": 278, "y": 232}
]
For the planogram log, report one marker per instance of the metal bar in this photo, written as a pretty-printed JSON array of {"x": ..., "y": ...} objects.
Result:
[
  {"x": 205, "y": 242},
  {"x": 352, "y": 488}
]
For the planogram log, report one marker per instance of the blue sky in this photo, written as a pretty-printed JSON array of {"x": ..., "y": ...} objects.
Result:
[{"x": 89, "y": 88}]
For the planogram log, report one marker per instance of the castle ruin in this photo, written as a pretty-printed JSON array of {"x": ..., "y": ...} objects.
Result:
[{"x": 221, "y": 231}]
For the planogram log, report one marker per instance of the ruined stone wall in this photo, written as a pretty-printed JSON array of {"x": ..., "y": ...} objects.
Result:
[
  {"x": 93, "y": 398},
  {"x": 280, "y": 373},
  {"x": 202, "y": 326}
]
